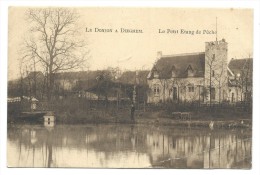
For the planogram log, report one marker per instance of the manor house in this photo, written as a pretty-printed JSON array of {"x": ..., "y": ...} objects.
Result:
[{"x": 203, "y": 76}]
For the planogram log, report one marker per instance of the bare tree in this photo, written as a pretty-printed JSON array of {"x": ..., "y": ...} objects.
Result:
[
  {"x": 21, "y": 84},
  {"x": 221, "y": 79},
  {"x": 247, "y": 78},
  {"x": 244, "y": 79},
  {"x": 211, "y": 64},
  {"x": 163, "y": 84},
  {"x": 54, "y": 42}
]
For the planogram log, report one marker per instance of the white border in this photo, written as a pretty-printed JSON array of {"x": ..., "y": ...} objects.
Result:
[{"x": 145, "y": 3}]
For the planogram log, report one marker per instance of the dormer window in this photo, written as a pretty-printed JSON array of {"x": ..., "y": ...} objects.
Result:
[
  {"x": 174, "y": 72},
  {"x": 155, "y": 74},
  {"x": 190, "y": 71}
]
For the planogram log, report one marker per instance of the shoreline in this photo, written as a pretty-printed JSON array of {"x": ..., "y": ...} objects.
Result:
[{"x": 206, "y": 120}]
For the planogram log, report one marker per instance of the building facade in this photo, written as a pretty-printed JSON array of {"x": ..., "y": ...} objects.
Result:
[
  {"x": 240, "y": 74},
  {"x": 203, "y": 76}
]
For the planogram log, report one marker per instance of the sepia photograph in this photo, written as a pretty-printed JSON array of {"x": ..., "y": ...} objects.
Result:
[{"x": 130, "y": 87}]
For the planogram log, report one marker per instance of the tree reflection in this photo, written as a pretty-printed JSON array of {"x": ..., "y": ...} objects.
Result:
[{"x": 128, "y": 146}]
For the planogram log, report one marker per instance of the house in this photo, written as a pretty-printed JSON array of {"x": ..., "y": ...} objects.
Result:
[
  {"x": 134, "y": 77},
  {"x": 106, "y": 89},
  {"x": 203, "y": 76},
  {"x": 101, "y": 85},
  {"x": 240, "y": 79},
  {"x": 75, "y": 83}
]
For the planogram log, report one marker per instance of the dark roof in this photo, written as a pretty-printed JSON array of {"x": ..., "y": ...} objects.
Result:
[
  {"x": 37, "y": 74},
  {"x": 180, "y": 63},
  {"x": 81, "y": 75},
  {"x": 129, "y": 77},
  {"x": 238, "y": 65},
  {"x": 86, "y": 84}
]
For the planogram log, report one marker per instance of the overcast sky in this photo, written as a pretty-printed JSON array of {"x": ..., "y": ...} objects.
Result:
[{"x": 138, "y": 51}]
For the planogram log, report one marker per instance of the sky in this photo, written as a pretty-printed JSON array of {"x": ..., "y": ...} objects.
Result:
[{"x": 132, "y": 51}]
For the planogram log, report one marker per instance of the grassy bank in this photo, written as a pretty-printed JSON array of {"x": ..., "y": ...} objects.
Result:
[
  {"x": 160, "y": 117},
  {"x": 81, "y": 111}
]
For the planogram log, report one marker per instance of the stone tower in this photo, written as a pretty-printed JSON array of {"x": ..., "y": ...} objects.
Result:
[{"x": 216, "y": 71}]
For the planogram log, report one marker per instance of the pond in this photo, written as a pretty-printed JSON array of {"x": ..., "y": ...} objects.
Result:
[{"x": 127, "y": 146}]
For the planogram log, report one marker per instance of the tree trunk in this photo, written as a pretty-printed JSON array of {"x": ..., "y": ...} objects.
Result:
[
  {"x": 219, "y": 92},
  {"x": 210, "y": 87},
  {"x": 51, "y": 79},
  {"x": 50, "y": 86},
  {"x": 34, "y": 77}
]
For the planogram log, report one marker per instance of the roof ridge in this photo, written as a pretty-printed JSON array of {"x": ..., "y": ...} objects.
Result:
[
  {"x": 183, "y": 54},
  {"x": 240, "y": 59}
]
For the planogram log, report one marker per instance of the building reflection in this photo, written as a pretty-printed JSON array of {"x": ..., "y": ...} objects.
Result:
[
  {"x": 127, "y": 146},
  {"x": 217, "y": 149}
]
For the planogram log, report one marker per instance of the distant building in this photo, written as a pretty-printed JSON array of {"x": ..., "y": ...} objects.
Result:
[
  {"x": 203, "y": 76},
  {"x": 240, "y": 79},
  {"x": 102, "y": 84},
  {"x": 30, "y": 85},
  {"x": 134, "y": 77}
]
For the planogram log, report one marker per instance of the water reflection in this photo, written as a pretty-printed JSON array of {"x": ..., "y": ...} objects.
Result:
[{"x": 127, "y": 146}]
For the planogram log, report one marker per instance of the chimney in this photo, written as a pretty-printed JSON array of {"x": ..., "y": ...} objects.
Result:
[{"x": 159, "y": 55}]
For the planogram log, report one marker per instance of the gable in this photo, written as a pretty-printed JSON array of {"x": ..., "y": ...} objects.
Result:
[
  {"x": 238, "y": 65},
  {"x": 181, "y": 63}
]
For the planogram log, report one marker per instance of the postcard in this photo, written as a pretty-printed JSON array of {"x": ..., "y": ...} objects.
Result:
[{"x": 130, "y": 87}]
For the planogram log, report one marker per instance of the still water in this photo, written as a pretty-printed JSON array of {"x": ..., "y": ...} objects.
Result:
[{"x": 127, "y": 146}]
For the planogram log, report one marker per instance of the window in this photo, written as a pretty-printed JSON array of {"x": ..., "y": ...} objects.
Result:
[
  {"x": 190, "y": 71},
  {"x": 174, "y": 73},
  {"x": 213, "y": 57},
  {"x": 213, "y": 94},
  {"x": 174, "y": 93},
  {"x": 155, "y": 74},
  {"x": 156, "y": 89},
  {"x": 191, "y": 88},
  {"x": 213, "y": 73},
  {"x": 233, "y": 97}
]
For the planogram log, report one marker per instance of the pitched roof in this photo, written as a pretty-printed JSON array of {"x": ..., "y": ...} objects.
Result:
[
  {"x": 129, "y": 77},
  {"x": 37, "y": 74},
  {"x": 180, "y": 63},
  {"x": 81, "y": 75},
  {"x": 238, "y": 65}
]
